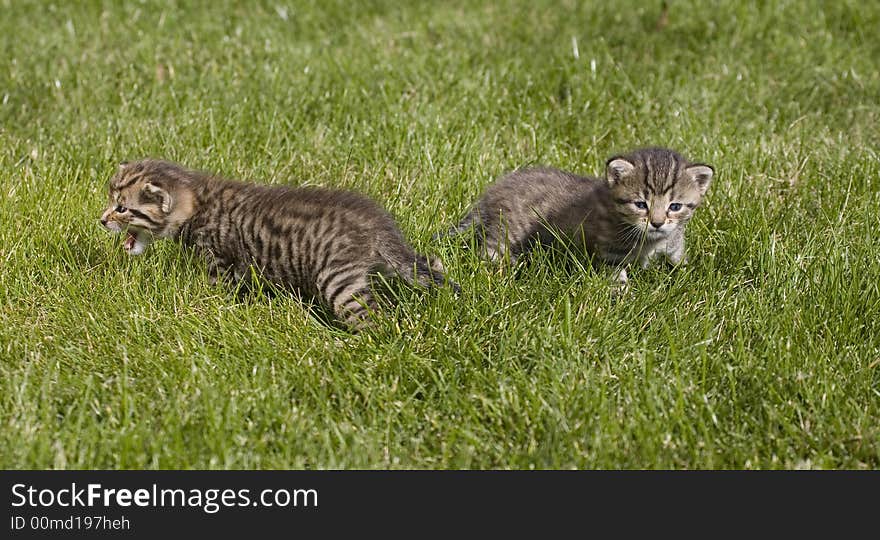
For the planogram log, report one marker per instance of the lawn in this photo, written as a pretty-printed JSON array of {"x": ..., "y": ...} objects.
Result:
[{"x": 763, "y": 353}]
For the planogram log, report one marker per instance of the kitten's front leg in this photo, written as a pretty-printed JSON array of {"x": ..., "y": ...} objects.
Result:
[
  {"x": 620, "y": 281},
  {"x": 215, "y": 274},
  {"x": 648, "y": 256},
  {"x": 677, "y": 257},
  {"x": 618, "y": 269},
  {"x": 675, "y": 252},
  {"x": 218, "y": 268}
]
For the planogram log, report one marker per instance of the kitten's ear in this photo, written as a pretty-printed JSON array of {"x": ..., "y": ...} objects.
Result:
[
  {"x": 165, "y": 200},
  {"x": 617, "y": 169},
  {"x": 702, "y": 175}
]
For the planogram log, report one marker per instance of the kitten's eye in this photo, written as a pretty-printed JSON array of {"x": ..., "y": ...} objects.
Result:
[
  {"x": 121, "y": 209},
  {"x": 675, "y": 207},
  {"x": 641, "y": 205}
]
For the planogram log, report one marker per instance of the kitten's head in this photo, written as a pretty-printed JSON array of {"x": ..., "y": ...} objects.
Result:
[
  {"x": 149, "y": 199},
  {"x": 655, "y": 190}
]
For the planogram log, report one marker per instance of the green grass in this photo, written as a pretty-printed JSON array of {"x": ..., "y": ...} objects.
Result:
[{"x": 764, "y": 353}]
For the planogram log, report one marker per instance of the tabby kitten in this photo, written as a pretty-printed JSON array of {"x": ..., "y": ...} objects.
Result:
[
  {"x": 638, "y": 213},
  {"x": 328, "y": 244}
]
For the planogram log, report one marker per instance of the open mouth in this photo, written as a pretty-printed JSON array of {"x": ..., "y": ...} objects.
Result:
[
  {"x": 136, "y": 241},
  {"x": 130, "y": 239}
]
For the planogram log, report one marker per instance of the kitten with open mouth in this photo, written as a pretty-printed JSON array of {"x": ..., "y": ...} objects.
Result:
[{"x": 334, "y": 246}]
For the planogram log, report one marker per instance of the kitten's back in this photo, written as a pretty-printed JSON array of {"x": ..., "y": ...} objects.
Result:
[
  {"x": 517, "y": 209},
  {"x": 540, "y": 190}
]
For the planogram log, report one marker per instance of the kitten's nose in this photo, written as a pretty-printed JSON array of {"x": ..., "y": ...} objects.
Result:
[
  {"x": 103, "y": 222},
  {"x": 656, "y": 224}
]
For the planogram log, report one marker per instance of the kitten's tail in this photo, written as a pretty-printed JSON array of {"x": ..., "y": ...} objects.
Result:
[{"x": 466, "y": 223}]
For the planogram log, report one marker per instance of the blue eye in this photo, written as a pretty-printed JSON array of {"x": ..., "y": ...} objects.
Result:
[
  {"x": 121, "y": 209},
  {"x": 641, "y": 205},
  {"x": 675, "y": 207}
]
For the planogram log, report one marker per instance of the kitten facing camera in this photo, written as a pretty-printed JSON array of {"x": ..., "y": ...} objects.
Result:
[{"x": 636, "y": 214}]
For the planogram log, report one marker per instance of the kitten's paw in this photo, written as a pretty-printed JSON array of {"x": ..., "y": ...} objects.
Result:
[
  {"x": 619, "y": 288},
  {"x": 677, "y": 260},
  {"x": 620, "y": 282},
  {"x": 436, "y": 264}
]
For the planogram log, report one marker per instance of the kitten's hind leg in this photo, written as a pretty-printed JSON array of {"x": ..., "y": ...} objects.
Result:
[
  {"x": 500, "y": 252},
  {"x": 356, "y": 304}
]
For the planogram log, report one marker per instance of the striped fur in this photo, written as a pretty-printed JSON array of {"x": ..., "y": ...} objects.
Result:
[
  {"x": 328, "y": 244},
  {"x": 637, "y": 213}
]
